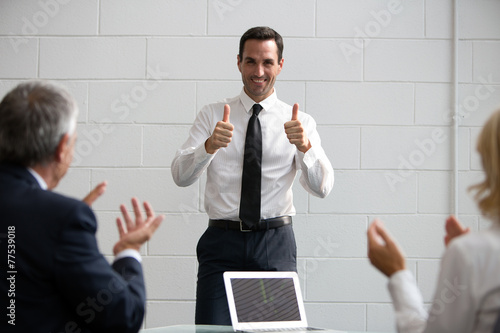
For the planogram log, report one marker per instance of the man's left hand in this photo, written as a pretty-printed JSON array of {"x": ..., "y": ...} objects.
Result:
[
  {"x": 133, "y": 234},
  {"x": 295, "y": 131}
]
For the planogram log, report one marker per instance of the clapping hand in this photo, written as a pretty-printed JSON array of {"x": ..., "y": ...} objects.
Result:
[
  {"x": 383, "y": 251},
  {"x": 135, "y": 233},
  {"x": 95, "y": 193},
  {"x": 453, "y": 229}
]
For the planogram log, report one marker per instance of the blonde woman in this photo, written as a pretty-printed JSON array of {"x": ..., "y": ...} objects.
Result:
[{"x": 467, "y": 298}]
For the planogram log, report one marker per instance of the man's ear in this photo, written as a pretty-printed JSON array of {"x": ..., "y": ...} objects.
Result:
[
  {"x": 62, "y": 147},
  {"x": 238, "y": 62},
  {"x": 281, "y": 65}
]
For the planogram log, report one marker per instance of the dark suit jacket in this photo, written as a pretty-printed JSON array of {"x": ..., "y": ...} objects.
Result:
[{"x": 60, "y": 280}]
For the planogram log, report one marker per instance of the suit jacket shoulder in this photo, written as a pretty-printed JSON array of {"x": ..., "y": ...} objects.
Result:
[{"x": 62, "y": 281}]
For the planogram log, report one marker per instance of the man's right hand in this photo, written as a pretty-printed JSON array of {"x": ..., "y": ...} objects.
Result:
[
  {"x": 134, "y": 234},
  {"x": 222, "y": 134},
  {"x": 95, "y": 193}
]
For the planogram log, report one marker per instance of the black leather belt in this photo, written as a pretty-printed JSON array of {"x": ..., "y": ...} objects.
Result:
[{"x": 272, "y": 223}]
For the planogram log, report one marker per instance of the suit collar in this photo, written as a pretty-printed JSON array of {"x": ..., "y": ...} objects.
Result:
[
  {"x": 39, "y": 179},
  {"x": 19, "y": 172}
]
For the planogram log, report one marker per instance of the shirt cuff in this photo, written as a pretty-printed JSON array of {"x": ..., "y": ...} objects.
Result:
[
  {"x": 310, "y": 157},
  {"x": 201, "y": 156},
  {"x": 128, "y": 253},
  {"x": 404, "y": 291}
]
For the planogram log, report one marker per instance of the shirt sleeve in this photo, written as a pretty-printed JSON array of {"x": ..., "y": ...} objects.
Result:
[
  {"x": 454, "y": 306},
  {"x": 191, "y": 160},
  {"x": 317, "y": 175},
  {"x": 128, "y": 253},
  {"x": 410, "y": 313}
]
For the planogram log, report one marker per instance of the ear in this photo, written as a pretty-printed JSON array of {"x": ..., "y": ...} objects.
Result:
[
  {"x": 238, "y": 62},
  {"x": 281, "y": 65},
  {"x": 62, "y": 147}
]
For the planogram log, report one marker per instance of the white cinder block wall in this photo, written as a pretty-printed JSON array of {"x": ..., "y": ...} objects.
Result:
[{"x": 376, "y": 76}]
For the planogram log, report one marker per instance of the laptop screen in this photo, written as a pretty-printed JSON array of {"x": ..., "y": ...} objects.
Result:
[{"x": 265, "y": 299}]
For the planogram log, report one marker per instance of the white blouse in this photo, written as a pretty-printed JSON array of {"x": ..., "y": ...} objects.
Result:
[{"x": 467, "y": 297}]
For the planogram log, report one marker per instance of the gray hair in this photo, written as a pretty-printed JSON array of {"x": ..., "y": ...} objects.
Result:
[{"x": 34, "y": 117}]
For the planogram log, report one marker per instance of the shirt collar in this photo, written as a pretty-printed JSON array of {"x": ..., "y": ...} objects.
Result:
[
  {"x": 266, "y": 104},
  {"x": 38, "y": 178}
]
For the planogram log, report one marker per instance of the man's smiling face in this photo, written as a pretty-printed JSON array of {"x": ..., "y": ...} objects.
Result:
[{"x": 259, "y": 68}]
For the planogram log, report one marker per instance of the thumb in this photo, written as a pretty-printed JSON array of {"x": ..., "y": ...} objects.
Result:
[
  {"x": 295, "y": 111},
  {"x": 227, "y": 110}
]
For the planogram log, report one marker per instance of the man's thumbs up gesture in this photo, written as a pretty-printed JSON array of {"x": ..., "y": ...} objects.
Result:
[
  {"x": 295, "y": 132},
  {"x": 222, "y": 134}
]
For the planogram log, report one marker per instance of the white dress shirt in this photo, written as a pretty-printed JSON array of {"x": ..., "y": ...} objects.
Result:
[
  {"x": 280, "y": 159},
  {"x": 467, "y": 297}
]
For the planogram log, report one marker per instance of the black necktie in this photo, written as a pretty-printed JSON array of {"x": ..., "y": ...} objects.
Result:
[{"x": 251, "y": 178}]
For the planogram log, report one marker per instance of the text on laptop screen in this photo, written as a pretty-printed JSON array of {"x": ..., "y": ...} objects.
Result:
[{"x": 265, "y": 299}]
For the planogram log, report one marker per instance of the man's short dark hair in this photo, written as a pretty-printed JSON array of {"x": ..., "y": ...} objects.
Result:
[{"x": 262, "y": 33}]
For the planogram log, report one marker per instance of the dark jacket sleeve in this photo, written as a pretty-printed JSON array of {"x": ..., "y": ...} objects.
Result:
[{"x": 105, "y": 298}]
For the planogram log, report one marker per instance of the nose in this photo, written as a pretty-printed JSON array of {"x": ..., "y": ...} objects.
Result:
[{"x": 259, "y": 70}]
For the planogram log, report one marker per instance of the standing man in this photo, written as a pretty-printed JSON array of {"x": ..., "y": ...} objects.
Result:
[
  {"x": 252, "y": 146},
  {"x": 53, "y": 277}
]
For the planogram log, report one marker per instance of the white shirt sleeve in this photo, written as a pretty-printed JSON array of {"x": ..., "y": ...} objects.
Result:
[
  {"x": 192, "y": 159},
  {"x": 128, "y": 253},
  {"x": 410, "y": 313},
  {"x": 317, "y": 175},
  {"x": 453, "y": 306},
  {"x": 189, "y": 164}
]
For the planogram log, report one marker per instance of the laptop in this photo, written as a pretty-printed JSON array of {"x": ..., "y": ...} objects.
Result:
[{"x": 266, "y": 302}]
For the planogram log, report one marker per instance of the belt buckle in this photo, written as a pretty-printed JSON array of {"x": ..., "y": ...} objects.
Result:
[{"x": 242, "y": 226}]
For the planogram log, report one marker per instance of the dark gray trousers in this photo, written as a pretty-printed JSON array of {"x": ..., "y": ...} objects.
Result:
[{"x": 221, "y": 250}]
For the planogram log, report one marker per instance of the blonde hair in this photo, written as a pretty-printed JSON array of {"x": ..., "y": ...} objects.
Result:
[{"x": 488, "y": 145}]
